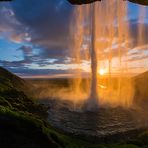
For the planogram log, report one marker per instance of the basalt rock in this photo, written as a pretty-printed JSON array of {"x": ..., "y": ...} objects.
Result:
[
  {"x": 141, "y": 2},
  {"x": 79, "y": 2}
]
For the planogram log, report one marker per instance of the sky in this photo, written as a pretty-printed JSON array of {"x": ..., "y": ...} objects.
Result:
[{"x": 35, "y": 37}]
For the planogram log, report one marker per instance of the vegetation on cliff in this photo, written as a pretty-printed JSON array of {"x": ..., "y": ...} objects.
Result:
[{"x": 23, "y": 122}]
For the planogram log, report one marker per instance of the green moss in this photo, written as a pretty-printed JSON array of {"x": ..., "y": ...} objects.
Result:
[
  {"x": 4, "y": 102},
  {"x": 5, "y": 84},
  {"x": 25, "y": 116},
  {"x": 59, "y": 138},
  {"x": 15, "y": 105},
  {"x": 63, "y": 140}
]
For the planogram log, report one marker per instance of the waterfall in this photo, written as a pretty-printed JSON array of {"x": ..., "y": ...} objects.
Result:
[{"x": 107, "y": 26}]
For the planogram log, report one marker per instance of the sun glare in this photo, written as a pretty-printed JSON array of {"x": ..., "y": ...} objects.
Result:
[{"x": 101, "y": 71}]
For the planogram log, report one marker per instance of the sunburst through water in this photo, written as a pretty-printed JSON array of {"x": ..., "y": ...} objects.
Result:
[{"x": 105, "y": 32}]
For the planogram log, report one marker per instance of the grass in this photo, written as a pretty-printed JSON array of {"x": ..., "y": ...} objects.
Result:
[
  {"x": 28, "y": 118},
  {"x": 17, "y": 107}
]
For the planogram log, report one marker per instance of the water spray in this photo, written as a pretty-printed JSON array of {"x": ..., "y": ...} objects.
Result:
[{"x": 104, "y": 27}]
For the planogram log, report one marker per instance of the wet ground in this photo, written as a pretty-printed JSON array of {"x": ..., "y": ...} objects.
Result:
[{"x": 104, "y": 122}]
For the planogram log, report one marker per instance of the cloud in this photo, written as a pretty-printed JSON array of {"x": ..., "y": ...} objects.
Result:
[
  {"x": 137, "y": 58},
  {"x": 10, "y": 27},
  {"x": 47, "y": 23},
  {"x": 45, "y": 27}
]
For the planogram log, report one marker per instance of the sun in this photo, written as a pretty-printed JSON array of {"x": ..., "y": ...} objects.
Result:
[{"x": 101, "y": 71}]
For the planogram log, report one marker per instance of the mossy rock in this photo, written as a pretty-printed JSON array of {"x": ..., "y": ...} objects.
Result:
[{"x": 144, "y": 137}]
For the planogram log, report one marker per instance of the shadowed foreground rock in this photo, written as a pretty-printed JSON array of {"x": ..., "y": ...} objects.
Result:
[
  {"x": 15, "y": 133},
  {"x": 141, "y": 2},
  {"x": 79, "y": 2},
  {"x": 141, "y": 90}
]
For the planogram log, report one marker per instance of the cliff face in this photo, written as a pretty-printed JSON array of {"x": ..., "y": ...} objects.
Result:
[
  {"x": 22, "y": 124},
  {"x": 141, "y": 89},
  {"x": 14, "y": 93},
  {"x": 15, "y": 82},
  {"x": 21, "y": 119},
  {"x": 141, "y": 2},
  {"x": 79, "y": 2}
]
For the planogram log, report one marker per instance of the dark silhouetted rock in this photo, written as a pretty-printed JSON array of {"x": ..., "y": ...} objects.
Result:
[
  {"x": 141, "y": 2},
  {"x": 141, "y": 89},
  {"x": 79, "y": 2}
]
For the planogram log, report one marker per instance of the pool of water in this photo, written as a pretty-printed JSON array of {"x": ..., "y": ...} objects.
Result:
[{"x": 104, "y": 122}]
